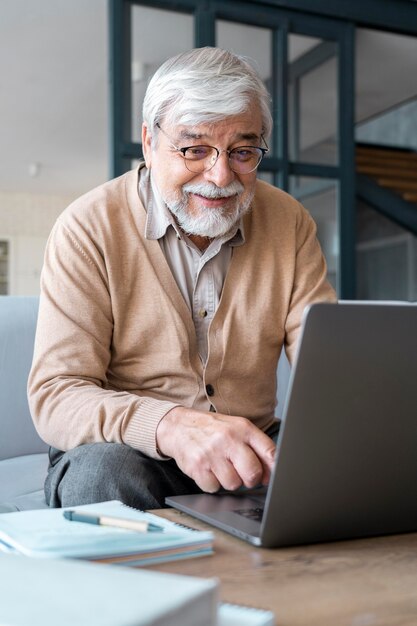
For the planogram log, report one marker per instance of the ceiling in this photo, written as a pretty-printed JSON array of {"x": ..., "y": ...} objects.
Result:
[{"x": 54, "y": 107}]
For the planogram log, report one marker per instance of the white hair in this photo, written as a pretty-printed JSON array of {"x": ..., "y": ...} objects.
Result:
[{"x": 204, "y": 85}]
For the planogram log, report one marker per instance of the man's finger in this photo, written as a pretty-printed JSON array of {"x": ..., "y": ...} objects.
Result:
[
  {"x": 263, "y": 446},
  {"x": 207, "y": 481},
  {"x": 226, "y": 473},
  {"x": 247, "y": 465}
]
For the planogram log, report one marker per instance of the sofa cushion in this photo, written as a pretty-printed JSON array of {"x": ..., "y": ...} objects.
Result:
[
  {"x": 21, "y": 481},
  {"x": 23, "y": 457},
  {"x": 27, "y": 502}
]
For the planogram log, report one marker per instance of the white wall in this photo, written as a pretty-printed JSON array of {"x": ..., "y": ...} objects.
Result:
[{"x": 26, "y": 221}]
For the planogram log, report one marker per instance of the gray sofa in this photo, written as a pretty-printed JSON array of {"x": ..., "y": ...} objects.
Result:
[{"x": 23, "y": 455}]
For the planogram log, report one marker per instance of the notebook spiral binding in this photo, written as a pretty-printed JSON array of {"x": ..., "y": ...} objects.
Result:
[{"x": 132, "y": 508}]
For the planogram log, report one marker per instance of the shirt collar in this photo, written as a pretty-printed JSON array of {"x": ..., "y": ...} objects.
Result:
[{"x": 159, "y": 218}]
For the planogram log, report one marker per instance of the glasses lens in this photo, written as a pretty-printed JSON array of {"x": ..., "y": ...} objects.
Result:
[
  {"x": 200, "y": 158},
  {"x": 242, "y": 160},
  {"x": 245, "y": 159}
]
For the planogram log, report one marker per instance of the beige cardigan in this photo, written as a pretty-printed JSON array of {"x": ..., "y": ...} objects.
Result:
[{"x": 115, "y": 345}]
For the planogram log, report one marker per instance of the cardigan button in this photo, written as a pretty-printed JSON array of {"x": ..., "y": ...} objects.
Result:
[{"x": 210, "y": 390}]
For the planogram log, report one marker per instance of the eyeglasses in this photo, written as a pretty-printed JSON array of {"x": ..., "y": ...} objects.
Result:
[{"x": 242, "y": 160}]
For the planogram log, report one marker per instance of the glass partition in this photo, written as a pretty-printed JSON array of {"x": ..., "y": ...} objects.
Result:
[
  {"x": 152, "y": 44},
  {"x": 250, "y": 41},
  {"x": 320, "y": 197},
  {"x": 386, "y": 258},
  {"x": 386, "y": 87},
  {"x": 386, "y": 161},
  {"x": 312, "y": 100}
]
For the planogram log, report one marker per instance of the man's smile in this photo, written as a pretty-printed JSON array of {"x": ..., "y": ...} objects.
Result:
[{"x": 213, "y": 202}]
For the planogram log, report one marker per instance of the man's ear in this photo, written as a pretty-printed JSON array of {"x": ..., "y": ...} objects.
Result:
[{"x": 147, "y": 145}]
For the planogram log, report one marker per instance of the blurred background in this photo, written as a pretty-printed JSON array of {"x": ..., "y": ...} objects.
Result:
[{"x": 343, "y": 80}]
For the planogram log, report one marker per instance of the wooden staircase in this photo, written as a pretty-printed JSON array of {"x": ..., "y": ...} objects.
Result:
[{"x": 392, "y": 168}]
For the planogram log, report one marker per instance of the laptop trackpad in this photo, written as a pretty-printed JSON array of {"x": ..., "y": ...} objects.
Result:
[{"x": 225, "y": 511}]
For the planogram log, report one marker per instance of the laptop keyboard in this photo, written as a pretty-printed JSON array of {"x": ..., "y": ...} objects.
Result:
[{"x": 253, "y": 514}]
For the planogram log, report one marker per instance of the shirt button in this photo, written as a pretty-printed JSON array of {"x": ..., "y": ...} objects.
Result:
[
  {"x": 210, "y": 390},
  {"x": 202, "y": 313}
]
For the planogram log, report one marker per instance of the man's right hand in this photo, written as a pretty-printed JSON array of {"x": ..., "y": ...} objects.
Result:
[{"x": 216, "y": 450}]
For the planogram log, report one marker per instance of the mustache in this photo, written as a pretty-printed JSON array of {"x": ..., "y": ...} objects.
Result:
[{"x": 210, "y": 190}]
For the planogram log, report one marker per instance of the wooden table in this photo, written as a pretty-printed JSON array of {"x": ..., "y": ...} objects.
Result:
[{"x": 366, "y": 582}]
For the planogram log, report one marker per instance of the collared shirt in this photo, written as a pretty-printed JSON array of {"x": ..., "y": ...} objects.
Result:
[{"x": 200, "y": 275}]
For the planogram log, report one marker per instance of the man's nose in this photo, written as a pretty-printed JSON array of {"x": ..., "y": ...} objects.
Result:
[{"x": 220, "y": 174}]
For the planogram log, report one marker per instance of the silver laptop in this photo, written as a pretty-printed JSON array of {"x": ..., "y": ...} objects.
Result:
[{"x": 346, "y": 461}]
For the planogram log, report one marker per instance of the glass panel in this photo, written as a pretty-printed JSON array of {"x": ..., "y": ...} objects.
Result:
[
  {"x": 396, "y": 127},
  {"x": 298, "y": 45},
  {"x": 386, "y": 258},
  {"x": 312, "y": 100},
  {"x": 157, "y": 35},
  {"x": 253, "y": 42},
  {"x": 386, "y": 115},
  {"x": 320, "y": 197},
  {"x": 385, "y": 88}
]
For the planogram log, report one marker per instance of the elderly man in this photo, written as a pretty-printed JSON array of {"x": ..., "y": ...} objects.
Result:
[{"x": 167, "y": 297}]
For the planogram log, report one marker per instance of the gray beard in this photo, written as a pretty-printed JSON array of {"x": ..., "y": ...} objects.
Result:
[{"x": 213, "y": 222}]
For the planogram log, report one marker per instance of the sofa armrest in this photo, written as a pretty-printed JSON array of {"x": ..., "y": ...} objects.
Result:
[{"x": 18, "y": 316}]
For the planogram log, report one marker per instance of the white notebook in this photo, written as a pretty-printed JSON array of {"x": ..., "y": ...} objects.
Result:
[
  {"x": 47, "y": 592},
  {"x": 237, "y": 615},
  {"x": 46, "y": 533}
]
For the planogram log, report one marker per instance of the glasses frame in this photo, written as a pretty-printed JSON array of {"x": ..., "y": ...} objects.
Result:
[{"x": 219, "y": 152}]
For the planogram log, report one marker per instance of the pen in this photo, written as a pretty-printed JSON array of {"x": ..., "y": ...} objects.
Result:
[{"x": 116, "y": 522}]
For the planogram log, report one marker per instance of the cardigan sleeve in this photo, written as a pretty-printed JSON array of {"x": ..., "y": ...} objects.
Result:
[{"x": 69, "y": 396}]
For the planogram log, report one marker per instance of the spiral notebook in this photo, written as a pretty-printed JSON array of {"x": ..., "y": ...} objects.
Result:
[{"x": 46, "y": 533}]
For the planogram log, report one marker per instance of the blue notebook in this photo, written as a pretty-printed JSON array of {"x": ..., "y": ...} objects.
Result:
[{"x": 46, "y": 533}]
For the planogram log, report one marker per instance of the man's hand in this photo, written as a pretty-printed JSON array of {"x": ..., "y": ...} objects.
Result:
[{"x": 216, "y": 450}]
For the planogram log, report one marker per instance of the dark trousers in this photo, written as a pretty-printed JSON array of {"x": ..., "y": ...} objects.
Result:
[{"x": 98, "y": 472}]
